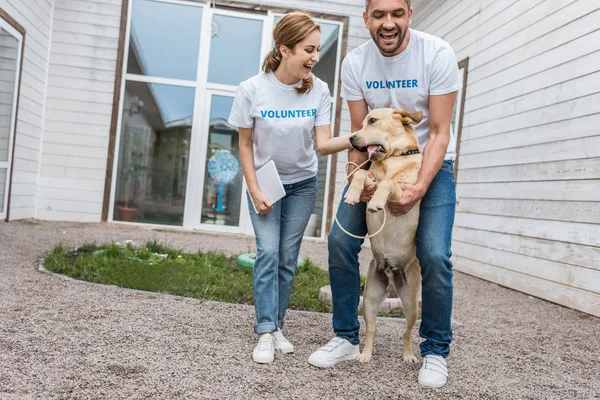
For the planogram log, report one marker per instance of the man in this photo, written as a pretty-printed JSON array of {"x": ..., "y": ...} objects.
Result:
[{"x": 406, "y": 69}]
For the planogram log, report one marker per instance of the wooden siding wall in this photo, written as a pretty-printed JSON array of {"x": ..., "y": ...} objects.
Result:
[
  {"x": 79, "y": 108},
  {"x": 528, "y": 213}
]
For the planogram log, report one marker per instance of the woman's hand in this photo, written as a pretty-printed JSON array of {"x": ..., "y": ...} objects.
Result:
[{"x": 261, "y": 202}]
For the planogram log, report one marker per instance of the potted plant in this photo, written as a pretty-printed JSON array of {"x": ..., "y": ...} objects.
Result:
[{"x": 131, "y": 174}]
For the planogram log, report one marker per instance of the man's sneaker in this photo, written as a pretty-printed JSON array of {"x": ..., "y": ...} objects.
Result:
[
  {"x": 281, "y": 343},
  {"x": 335, "y": 351},
  {"x": 264, "y": 352},
  {"x": 433, "y": 373}
]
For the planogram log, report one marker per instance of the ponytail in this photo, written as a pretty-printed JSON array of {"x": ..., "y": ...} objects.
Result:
[
  {"x": 272, "y": 60},
  {"x": 307, "y": 85}
]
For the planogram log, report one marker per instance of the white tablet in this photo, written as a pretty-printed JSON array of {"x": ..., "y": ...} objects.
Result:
[{"x": 269, "y": 183}]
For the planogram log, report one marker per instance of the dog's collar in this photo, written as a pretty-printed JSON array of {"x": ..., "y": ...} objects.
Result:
[{"x": 411, "y": 152}]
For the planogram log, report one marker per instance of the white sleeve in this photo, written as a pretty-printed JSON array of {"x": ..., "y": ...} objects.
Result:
[
  {"x": 324, "y": 112},
  {"x": 444, "y": 74},
  {"x": 350, "y": 87},
  {"x": 241, "y": 109}
]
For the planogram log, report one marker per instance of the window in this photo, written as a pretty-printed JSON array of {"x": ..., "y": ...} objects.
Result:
[
  {"x": 157, "y": 112},
  {"x": 11, "y": 43}
]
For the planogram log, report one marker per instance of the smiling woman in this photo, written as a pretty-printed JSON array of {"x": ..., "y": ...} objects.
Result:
[{"x": 280, "y": 115}]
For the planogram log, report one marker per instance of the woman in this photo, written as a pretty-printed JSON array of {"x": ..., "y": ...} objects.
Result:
[{"x": 277, "y": 112}]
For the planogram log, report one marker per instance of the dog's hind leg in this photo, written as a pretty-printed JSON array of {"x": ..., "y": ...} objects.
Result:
[
  {"x": 375, "y": 292},
  {"x": 409, "y": 286}
]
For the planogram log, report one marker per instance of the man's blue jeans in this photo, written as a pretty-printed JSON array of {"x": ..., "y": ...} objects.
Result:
[
  {"x": 278, "y": 237},
  {"x": 434, "y": 237}
]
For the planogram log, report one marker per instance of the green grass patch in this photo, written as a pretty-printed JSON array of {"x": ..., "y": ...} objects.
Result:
[{"x": 159, "y": 268}]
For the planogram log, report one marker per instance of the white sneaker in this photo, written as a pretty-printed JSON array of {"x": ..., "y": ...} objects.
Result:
[
  {"x": 281, "y": 343},
  {"x": 337, "y": 350},
  {"x": 434, "y": 372},
  {"x": 264, "y": 352}
]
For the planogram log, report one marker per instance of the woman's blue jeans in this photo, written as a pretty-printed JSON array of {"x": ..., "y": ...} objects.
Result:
[
  {"x": 278, "y": 238},
  {"x": 434, "y": 237}
]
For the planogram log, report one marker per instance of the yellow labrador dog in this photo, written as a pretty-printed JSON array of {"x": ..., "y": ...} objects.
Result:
[{"x": 389, "y": 138}]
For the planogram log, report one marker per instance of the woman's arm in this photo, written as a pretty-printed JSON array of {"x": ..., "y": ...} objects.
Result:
[
  {"x": 261, "y": 201},
  {"x": 327, "y": 144}
]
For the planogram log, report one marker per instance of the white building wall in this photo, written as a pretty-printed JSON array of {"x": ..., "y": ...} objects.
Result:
[
  {"x": 528, "y": 212},
  {"x": 36, "y": 18},
  {"x": 79, "y": 107}
]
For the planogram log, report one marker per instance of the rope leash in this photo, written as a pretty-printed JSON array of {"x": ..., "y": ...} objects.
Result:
[{"x": 337, "y": 194}]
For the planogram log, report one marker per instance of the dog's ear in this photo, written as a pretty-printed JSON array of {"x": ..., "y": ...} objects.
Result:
[{"x": 407, "y": 118}]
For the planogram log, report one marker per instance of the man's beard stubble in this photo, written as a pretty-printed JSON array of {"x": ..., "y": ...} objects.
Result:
[{"x": 401, "y": 34}]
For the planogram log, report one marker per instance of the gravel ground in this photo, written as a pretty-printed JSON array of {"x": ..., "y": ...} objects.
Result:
[{"x": 70, "y": 340}]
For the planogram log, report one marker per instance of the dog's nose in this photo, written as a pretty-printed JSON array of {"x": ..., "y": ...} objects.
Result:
[{"x": 352, "y": 138}]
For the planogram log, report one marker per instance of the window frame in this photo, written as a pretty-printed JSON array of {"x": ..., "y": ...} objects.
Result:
[
  {"x": 18, "y": 31},
  {"x": 460, "y": 103}
]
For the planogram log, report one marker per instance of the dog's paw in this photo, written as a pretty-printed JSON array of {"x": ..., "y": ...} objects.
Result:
[
  {"x": 410, "y": 359},
  {"x": 352, "y": 197},
  {"x": 364, "y": 357},
  {"x": 374, "y": 206}
]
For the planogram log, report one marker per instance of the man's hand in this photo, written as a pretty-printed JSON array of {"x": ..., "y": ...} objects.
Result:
[{"x": 411, "y": 194}]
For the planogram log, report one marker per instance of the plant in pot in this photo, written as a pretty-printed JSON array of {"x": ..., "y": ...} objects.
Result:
[{"x": 131, "y": 174}]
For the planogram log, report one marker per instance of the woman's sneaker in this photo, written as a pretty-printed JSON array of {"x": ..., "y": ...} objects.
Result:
[
  {"x": 264, "y": 352},
  {"x": 281, "y": 343},
  {"x": 335, "y": 351}
]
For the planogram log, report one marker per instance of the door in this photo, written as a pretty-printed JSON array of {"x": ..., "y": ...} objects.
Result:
[{"x": 220, "y": 203}]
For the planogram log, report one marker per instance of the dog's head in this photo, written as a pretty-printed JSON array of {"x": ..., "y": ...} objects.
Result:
[{"x": 387, "y": 132}]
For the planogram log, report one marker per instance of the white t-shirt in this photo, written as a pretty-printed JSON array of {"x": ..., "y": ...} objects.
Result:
[
  {"x": 427, "y": 67},
  {"x": 283, "y": 123}
]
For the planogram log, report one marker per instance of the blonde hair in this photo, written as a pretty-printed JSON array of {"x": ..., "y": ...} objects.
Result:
[{"x": 289, "y": 31}]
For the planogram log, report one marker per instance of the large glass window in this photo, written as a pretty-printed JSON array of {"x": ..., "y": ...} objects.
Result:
[
  {"x": 234, "y": 38},
  {"x": 158, "y": 112},
  {"x": 154, "y": 153},
  {"x": 157, "y": 47},
  {"x": 10, "y": 54}
]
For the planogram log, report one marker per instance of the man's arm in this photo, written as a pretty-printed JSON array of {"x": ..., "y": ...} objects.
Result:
[
  {"x": 440, "y": 117},
  {"x": 358, "y": 113}
]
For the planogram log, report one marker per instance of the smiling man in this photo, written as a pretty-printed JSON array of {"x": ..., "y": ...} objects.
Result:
[{"x": 410, "y": 70}]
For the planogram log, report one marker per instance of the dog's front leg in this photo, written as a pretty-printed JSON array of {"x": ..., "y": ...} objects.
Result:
[
  {"x": 384, "y": 189},
  {"x": 360, "y": 180}
]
